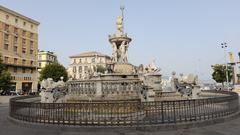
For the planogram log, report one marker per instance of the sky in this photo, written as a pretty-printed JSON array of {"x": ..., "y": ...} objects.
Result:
[{"x": 180, "y": 35}]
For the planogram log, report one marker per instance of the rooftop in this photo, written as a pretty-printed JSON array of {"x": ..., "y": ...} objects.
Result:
[
  {"x": 18, "y": 15},
  {"x": 45, "y": 52},
  {"x": 89, "y": 54}
]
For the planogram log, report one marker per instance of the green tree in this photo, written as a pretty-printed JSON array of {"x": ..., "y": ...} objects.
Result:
[
  {"x": 54, "y": 71},
  {"x": 101, "y": 69},
  {"x": 219, "y": 73},
  {"x": 5, "y": 76}
]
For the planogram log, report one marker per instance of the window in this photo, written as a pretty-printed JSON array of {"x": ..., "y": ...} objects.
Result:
[
  {"x": 24, "y": 23},
  {"x": 23, "y": 70},
  {"x": 24, "y": 33},
  {"x": 6, "y": 27},
  {"x": 31, "y": 71},
  {"x": 74, "y": 69},
  {"x": 6, "y": 59},
  {"x": 74, "y": 61},
  {"x": 31, "y": 35},
  {"x": 15, "y": 60},
  {"x": 31, "y": 26},
  {"x": 15, "y": 69},
  {"x": 7, "y": 17},
  {"x": 93, "y": 60},
  {"x": 16, "y": 20},
  {"x": 23, "y": 62},
  {"x": 24, "y": 41},
  {"x": 31, "y": 51},
  {"x": 85, "y": 68},
  {"x": 39, "y": 57},
  {"x": 6, "y": 46},
  {"x": 80, "y": 60},
  {"x": 15, "y": 40},
  {"x": 80, "y": 69},
  {"x": 24, "y": 50},
  {"x": 31, "y": 47},
  {"x": 48, "y": 57},
  {"x": 16, "y": 30},
  {"x": 31, "y": 63},
  {"x": 39, "y": 64},
  {"x": 31, "y": 44},
  {"x": 15, "y": 48},
  {"x": 6, "y": 37}
]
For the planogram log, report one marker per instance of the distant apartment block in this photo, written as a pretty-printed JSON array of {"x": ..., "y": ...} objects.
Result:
[
  {"x": 18, "y": 47},
  {"x": 86, "y": 62},
  {"x": 45, "y": 58}
]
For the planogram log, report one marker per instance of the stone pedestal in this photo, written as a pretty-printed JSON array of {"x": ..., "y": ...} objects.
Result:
[
  {"x": 195, "y": 92},
  {"x": 46, "y": 97},
  {"x": 153, "y": 80},
  {"x": 124, "y": 68},
  {"x": 149, "y": 95}
]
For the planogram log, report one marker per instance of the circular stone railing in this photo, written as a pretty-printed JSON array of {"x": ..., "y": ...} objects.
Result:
[{"x": 124, "y": 113}]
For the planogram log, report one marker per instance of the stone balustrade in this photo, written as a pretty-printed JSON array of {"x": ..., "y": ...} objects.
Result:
[{"x": 103, "y": 88}]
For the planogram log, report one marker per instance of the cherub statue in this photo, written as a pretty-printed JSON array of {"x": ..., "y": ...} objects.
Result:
[{"x": 114, "y": 54}]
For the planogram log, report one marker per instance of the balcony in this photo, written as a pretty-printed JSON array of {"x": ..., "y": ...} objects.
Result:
[
  {"x": 6, "y": 30},
  {"x": 34, "y": 66},
  {"x": 6, "y": 41}
]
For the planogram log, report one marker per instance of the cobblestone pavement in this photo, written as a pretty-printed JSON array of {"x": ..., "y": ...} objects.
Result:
[{"x": 8, "y": 128}]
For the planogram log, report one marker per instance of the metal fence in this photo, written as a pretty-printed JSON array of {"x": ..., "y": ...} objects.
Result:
[{"x": 123, "y": 113}]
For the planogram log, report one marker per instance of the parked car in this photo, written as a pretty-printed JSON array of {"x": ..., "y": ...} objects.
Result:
[
  {"x": 13, "y": 93},
  {"x": 5, "y": 92},
  {"x": 208, "y": 87},
  {"x": 230, "y": 87}
]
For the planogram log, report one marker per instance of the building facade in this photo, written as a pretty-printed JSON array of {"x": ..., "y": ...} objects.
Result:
[
  {"x": 238, "y": 65},
  {"x": 18, "y": 48},
  {"x": 45, "y": 58},
  {"x": 85, "y": 63}
]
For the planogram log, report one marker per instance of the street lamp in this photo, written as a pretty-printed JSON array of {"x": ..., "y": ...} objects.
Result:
[{"x": 224, "y": 46}]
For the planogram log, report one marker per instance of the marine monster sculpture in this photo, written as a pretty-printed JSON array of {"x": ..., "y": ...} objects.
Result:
[{"x": 52, "y": 90}]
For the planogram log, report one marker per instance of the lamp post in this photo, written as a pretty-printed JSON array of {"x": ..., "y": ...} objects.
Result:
[{"x": 224, "y": 46}]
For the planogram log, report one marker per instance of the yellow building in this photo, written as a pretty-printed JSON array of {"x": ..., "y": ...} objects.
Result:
[
  {"x": 18, "y": 47},
  {"x": 45, "y": 58}
]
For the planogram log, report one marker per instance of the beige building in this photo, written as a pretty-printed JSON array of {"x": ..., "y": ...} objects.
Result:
[
  {"x": 238, "y": 66},
  {"x": 18, "y": 47},
  {"x": 45, "y": 58},
  {"x": 82, "y": 64}
]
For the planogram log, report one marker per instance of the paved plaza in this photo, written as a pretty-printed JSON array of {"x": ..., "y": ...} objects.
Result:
[{"x": 9, "y": 128}]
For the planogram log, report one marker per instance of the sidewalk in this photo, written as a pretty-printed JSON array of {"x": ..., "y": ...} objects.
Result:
[{"x": 5, "y": 99}]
